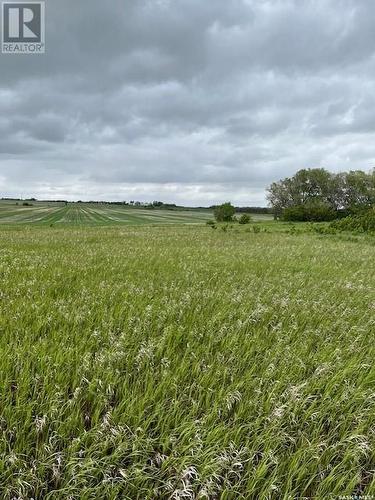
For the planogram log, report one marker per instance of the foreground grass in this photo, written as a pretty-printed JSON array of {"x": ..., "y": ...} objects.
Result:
[{"x": 181, "y": 362}]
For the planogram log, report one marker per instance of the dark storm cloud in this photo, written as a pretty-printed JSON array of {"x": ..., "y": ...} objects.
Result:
[{"x": 187, "y": 101}]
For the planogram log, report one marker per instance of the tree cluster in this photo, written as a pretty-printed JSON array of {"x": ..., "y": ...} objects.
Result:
[{"x": 316, "y": 194}]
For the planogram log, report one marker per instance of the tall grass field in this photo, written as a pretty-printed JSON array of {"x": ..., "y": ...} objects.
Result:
[{"x": 181, "y": 362}]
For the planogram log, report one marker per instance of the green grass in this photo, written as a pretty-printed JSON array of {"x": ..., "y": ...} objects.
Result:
[{"x": 158, "y": 362}]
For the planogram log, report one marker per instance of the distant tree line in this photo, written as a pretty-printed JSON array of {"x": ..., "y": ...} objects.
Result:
[
  {"x": 318, "y": 195},
  {"x": 132, "y": 203},
  {"x": 254, "y": 210}
]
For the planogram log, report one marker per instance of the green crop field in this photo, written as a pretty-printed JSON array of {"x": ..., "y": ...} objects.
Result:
[
  {"x": 39, "y": 213},
  {"x": 97, "y": 214},
  {"x": 181, "y": 362}
]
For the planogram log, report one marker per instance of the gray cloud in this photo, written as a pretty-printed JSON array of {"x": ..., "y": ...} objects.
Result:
[{"x": 187, "y": 101}]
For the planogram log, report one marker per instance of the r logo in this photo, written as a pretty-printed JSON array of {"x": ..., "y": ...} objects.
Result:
[{"x": 23, "y": 23}]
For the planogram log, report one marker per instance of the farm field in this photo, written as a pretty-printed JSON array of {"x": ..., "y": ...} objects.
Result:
[
  {"x": 94, "y": 214},
  {"x": 181, "y": 362}
]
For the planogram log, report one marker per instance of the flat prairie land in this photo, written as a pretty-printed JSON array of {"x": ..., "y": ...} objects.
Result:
[{"x": 181, "y": 362}]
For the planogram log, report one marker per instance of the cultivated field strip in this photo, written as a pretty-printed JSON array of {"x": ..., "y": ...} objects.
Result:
[{"x": 95, "y": 215}]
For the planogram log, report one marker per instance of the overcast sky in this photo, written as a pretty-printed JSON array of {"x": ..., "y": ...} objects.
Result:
[{"x": 187, "y": 101}]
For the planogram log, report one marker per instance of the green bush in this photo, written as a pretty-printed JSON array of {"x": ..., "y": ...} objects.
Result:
[
  {"x": 363, "y": 222},
  {"x": 324, "y": 229},
  {"x": 224, "y": 212},
  {"x": 211, "y": 224},
  {"x": 244, "y": 219},
  {"x": 312, "y": 212}
]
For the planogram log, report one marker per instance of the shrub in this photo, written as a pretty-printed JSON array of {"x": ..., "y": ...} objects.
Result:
[
  {"x": 244, "y": 219},
  {"x": 224, "y": 212},
  {"x": 312, "y": 212},
  {"x": 211, "y": 224},
  {"x": 324, "y": 229},
  {"x": 362, "y": 222}
]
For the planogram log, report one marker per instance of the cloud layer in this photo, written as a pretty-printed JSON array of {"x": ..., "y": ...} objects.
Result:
[{"x": 187, "y": 101}]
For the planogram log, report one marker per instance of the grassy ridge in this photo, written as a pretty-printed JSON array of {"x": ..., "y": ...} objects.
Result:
[{"x": 156, "y": 362}]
